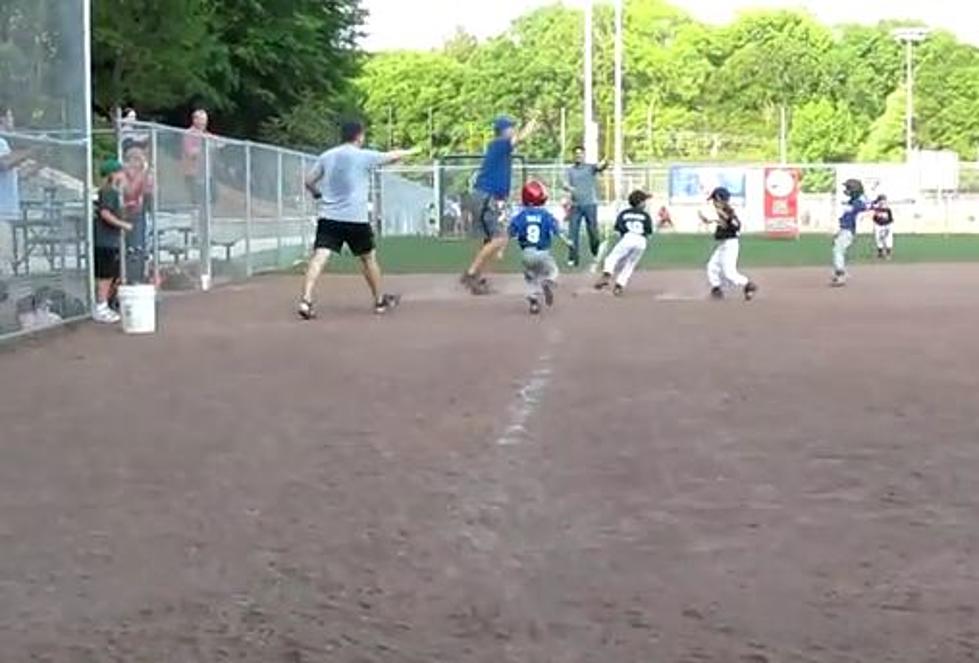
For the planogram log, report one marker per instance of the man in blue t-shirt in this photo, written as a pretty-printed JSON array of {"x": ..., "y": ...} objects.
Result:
[{"x": 491, "y": 191}]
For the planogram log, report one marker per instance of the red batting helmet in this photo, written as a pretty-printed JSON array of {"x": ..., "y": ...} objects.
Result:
[{"x": 534, "y": 194}]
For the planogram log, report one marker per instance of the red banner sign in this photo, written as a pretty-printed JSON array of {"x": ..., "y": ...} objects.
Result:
[{"x": 782, "y": 202}]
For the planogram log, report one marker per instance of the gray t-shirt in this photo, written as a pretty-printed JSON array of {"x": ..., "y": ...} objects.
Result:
[
  {"x": 345, "y": 180},
  {"x": 584, "y": 184}
]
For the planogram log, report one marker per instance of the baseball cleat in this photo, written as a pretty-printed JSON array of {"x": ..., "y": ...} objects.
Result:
[
  {"x": 387, "y": 303},
  {"x": 467, "y": 280},
  {"x": 480, "y": 286},
  {"x": 750, "y": 291},
  {"x": 618, "y": 290},
  {"x": 548, "y": 288},
  {"x": 838, "y": 281},
  {"x": 603, "y": 282},
  {"x": 716, "y": 293},
  {"x": 534, "y": 306},
  {"x": 306, "y": 310}
]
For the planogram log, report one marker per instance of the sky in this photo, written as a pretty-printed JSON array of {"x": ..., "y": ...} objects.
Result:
[{"x": 424, "y": 24}]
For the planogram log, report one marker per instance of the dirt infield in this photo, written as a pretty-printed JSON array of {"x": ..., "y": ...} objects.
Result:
[{"x": 657, "y": 479}]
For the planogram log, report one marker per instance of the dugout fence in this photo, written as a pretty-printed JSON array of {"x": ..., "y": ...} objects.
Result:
[{"x": 45, "y": 148}]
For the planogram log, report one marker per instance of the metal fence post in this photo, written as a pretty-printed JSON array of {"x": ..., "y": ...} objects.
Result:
[
  {"x": 377, "y": 201},
  {"x": 437, "y": 192},
  {"x": 304, "y": 222},
  {"x": 278, "y": 209},
  {"x": 205, "y": 239},
  {"x": 155, "y": 205},
  {"x": 249, "y": 267}
]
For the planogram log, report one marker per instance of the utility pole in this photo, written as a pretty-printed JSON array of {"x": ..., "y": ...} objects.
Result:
[{"x": 619, "y": 130}]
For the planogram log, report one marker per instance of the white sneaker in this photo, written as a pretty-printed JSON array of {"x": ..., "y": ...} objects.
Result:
[{"x": 105, "y": 315}]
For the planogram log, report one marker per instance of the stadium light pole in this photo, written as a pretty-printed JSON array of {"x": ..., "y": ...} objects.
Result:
[
  {"x": 909, "y": 37},
  {"x": 619, "y": 130},
  {"x": 591, "y": 133}
]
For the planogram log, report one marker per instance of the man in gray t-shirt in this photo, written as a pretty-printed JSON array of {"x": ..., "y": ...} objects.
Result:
[
  {"x": 340, "y": 183},
  {"x": 581, "y": 181}
]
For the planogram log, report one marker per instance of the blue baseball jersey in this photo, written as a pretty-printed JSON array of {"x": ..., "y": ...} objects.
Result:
[
  {"x": 497, "y": 169},
  {"x": 851, "y": 212},
  {"x": 534, "y": 228}
]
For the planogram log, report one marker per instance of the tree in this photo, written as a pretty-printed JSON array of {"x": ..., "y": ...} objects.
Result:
[
  {"x": 406, "y": 90},
  {"x": 865, "y": 67},
  {"x": 886, "y": 140},
  {"x": 267, "y": 67},
  {"x": 157, "y": 55},
  {"x": 692, "y": 90},
  {"x": 824, "y": 131},
  {"x": 947, "y": 95},
  {"x": 40, "y": 63},
  {"x": 285, "y": 52},
  {"x": 771, "y": 58}
]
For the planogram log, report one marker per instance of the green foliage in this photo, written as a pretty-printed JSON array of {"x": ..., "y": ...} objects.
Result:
[
  {"x": 771, "y": 58},
  {"x": 157, "y": 54},
  {"x": 886, "y": 139},
  {"x": 278, "y": 68},
  {"x": 692, "y": 90},
  {"x": 947, "y": 96},
  {"x": 823, "y": 131},
  {"x": 40, "y": 54}
]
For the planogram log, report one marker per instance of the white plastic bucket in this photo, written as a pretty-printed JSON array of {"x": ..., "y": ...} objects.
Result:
[{"x": 137, "y": 304}]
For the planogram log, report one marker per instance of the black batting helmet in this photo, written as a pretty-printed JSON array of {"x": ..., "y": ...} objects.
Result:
[
  {"x": 720, "y": 195},
  {"x": 853, "y": 187}
]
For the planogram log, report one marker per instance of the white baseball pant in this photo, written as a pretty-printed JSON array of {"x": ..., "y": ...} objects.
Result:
[
  {"x": 884, "y": 237},
  {"x": 722, "y": 268},
  {"x": 842, "y": 244},
  {"x": 625, "y": 257},
  {"x": 538, "y": 267}
]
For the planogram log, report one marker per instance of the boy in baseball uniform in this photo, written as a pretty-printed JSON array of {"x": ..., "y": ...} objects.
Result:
[
  {"x": 535, "y": 228},
  {"x": 855, "y": 205},
  {"x": 883, "y": 228},
  {"x": 634, "y": 226},
  {"x": 722, "y": 268}
]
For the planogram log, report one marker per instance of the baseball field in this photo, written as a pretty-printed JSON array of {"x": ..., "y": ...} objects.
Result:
[
  {"x": 410, "y": 255},
  {"x": 655, "y": 478}
]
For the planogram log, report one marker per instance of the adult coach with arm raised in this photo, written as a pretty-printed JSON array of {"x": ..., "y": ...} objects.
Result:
[
  {"x": 581, "y": 182},
  {"x": 489, "y": 200},
  {"x": 340, "y": 182}
]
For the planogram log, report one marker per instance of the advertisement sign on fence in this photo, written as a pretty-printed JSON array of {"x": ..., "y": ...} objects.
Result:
[
  {"x": 782, "y": 202},
  {"x": 692, "y": 184}
]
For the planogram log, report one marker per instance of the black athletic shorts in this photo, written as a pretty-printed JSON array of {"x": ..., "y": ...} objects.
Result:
[
  {"x": 333, "y": 235},
  {"x": 106, "y": 263}
]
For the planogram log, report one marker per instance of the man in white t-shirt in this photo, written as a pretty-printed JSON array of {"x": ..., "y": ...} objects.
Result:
[
  {"x": 9, "y": 160},
  {"x": 340, "y": 182}
]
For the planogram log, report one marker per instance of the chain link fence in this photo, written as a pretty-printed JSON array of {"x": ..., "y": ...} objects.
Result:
[
  {"x": 434, "y": 200},
  {"x": 44, "y": 162},
  {"x": 214, "y": 209}
]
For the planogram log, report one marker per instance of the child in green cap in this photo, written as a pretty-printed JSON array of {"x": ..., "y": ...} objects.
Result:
[{"x": 109, "y": 226}]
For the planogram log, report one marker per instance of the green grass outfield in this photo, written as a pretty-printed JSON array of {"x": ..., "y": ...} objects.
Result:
[{"x": 406, "y": 255}]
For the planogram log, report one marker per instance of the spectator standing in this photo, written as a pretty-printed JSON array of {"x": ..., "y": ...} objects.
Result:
[
  {"x": 9, "y": 160},
  {"x": 137, "y": 199},
  {"x": 581, "y": 181},
  {"x": 109, "y": 224},
  {"x": 192, "y": 156},
  {"x": 129, "y": 134}
]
